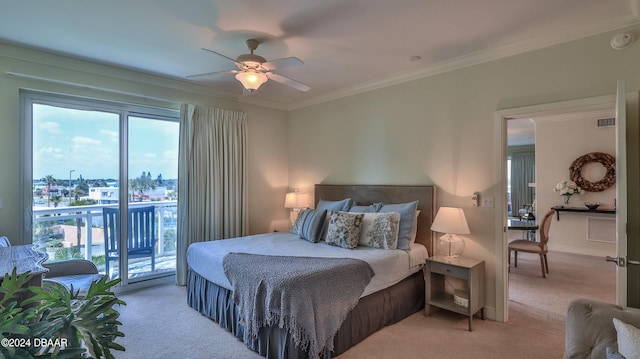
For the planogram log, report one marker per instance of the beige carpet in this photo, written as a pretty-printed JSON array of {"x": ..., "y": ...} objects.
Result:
[
  {"x": 571, "y": 276},
  {"x": 158, "y": 323}
]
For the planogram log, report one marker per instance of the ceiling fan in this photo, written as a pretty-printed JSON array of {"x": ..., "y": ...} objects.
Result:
[{"x": 253, "y": 70}]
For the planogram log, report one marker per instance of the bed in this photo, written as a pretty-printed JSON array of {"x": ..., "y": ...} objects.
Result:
[{"x": 393, "y": 291}]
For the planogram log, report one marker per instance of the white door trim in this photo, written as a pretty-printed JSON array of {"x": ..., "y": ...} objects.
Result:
[{"x": 500, "y": 178}]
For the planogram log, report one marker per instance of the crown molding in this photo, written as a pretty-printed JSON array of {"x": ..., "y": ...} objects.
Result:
[
  {"x": 79, "y": 65},
  {"x": 480, "y": 57}
]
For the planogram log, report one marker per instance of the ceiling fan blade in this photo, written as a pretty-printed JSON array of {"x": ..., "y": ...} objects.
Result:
[
  {"x": 221, "y": 55},
  {"x": 288, "y": 82},
  {"x": 209, "y": 74},
  {"x": 280, "y": 63}
]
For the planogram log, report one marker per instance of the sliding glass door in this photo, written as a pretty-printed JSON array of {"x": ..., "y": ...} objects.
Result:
[
  {"x": 153, "y": 172},
  {"x": 90, "y": 169}
]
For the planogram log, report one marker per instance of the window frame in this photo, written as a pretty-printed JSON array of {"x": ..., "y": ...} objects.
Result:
[{"x": 123, "y": 109}]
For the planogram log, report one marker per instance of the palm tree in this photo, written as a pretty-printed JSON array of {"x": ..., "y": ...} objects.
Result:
[
  {"x": 140, "y": 185},
  {"x": 50, "y": 181},
  {"x": 56, "y": 200},
  {"x": 82, "y": 188}
]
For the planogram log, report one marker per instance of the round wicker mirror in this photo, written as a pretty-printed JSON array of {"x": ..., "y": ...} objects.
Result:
[{"x": 606, "y": 160}]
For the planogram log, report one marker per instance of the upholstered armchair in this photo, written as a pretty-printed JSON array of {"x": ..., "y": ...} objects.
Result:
[{"x": 77, "y": 272}]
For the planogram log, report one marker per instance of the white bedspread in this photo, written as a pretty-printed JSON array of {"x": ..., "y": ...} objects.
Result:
[{"x": 390, "y": 266}]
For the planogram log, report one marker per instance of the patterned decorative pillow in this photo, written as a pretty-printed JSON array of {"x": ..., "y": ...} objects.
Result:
[
  {"x": 613, "y": 354},
  {"x": 407, "y": 218},
  {"x": 380, "y": 230},
  {"x": 341, "y": 205},
  {"x": 309, "y": 224},
  {"x": 628, "y": 338},
  {"x": 344, "y": 229}
]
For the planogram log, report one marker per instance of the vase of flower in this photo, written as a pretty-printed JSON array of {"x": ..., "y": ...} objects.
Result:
[{"x": 566, "y": 190}]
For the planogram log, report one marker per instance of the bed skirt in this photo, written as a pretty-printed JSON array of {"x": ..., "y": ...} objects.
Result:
[{"x": 372, "y": 313}]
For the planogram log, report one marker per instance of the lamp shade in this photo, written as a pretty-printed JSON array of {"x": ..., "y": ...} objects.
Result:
[
  {"x": 251, "y": 80},
  {"x": 296, "y": 200},
  {"x": 450, "y": 220}
]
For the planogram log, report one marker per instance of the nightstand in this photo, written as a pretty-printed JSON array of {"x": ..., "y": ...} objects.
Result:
[{"x": 469, "y": 270}]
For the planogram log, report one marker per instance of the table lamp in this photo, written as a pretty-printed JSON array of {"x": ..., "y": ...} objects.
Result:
[
  {"x": 450, "y": 221},
  {"x": 296, "y": 201}
]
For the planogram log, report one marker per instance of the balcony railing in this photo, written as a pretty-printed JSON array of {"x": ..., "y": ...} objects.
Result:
[{"x": 77, "y": 231}]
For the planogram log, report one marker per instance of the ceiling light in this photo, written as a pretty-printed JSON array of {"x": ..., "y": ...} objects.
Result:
[{"x": 251, "y": 80}]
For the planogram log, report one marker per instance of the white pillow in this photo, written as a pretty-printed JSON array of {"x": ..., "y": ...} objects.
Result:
[
  {"x": 414, "y": 229},
  {"x": 380, "y": 230},
  {"x": 628, "y": 339}
]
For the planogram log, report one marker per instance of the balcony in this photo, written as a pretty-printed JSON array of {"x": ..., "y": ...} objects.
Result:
[{"x": 77, "y": 232}]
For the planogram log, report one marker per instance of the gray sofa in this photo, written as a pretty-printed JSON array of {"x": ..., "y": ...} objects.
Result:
[{"x": 590, "y": 328}]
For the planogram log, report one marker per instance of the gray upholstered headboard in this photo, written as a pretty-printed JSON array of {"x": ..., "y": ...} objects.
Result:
[{"x": 367, "y": 194}]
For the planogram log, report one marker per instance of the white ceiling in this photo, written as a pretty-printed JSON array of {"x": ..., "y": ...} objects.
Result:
[
  {"x": 347, "y": 46},
  {"x": 521, "y": 132}
]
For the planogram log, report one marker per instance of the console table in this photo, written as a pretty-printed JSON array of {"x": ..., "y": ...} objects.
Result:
[{"x": 559, "y": 209}]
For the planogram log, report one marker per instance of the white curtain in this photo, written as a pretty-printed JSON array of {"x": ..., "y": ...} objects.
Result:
[{"x": 212, "y": 178}]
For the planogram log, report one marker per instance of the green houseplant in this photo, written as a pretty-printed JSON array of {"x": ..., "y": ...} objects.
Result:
[{"x": 51, "y": 322}]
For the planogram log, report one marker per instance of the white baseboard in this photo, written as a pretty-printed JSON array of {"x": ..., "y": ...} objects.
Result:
[
  {"x": 490, "y": 313},
  {"x": 581, "y": 251}
]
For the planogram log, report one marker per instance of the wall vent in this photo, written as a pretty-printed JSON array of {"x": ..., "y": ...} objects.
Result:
[
  {"x": 606, "y": 122},
  {"x": 601, "y": 229}
]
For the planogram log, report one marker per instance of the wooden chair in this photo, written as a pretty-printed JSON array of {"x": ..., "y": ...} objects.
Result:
[
  {"x": 141, "y": 234},
  {"x": 524, "y": 245}
]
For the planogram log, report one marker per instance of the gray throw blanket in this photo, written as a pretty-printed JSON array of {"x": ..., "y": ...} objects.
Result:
[{"x": 309, "y": 297}]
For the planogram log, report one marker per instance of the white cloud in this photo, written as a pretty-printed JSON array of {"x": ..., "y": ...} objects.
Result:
[
  {"x": 111, "y": 136},
  {"x": 80, "y": 141},
  {"x": 50, "y": 127},
  {"x": 171, "y": 156},
  {"x": 50, "y": 153}
]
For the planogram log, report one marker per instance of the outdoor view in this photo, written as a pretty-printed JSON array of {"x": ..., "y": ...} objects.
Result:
[{"x": 76, "y": 167}]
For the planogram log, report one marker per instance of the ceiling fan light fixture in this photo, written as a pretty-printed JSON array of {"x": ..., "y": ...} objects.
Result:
[{"x": 251, "y": 80}]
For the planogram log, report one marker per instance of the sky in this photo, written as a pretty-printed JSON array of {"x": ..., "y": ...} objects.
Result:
[{"x": 87, "y": 142}]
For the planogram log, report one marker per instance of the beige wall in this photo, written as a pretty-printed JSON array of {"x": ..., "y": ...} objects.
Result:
[
  {"x": 441, "y": 130},
  {"x": 558, "y": 144},
  {"x": 267, "y": 128}
]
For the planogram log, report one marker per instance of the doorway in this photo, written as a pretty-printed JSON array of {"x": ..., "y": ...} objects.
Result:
[
  {"x": 540, "y": 150},
  {"x": 547, "y": 111}
]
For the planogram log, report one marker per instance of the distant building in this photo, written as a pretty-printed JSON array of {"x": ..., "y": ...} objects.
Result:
[
  {"x": 156, "y": 194},
  {"x": 54, "y": 190},
  {"x": 109, "y": 195},
  {"x": 104, "y": 195}
]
